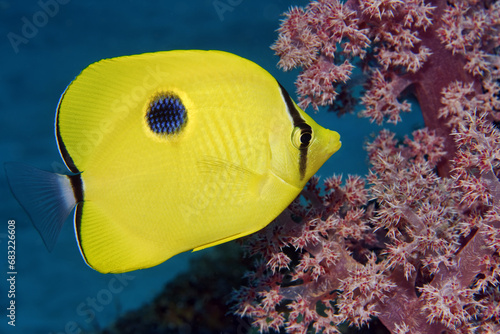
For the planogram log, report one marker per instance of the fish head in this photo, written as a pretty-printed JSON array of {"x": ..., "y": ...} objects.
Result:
[{"x": 300, "y": 148}]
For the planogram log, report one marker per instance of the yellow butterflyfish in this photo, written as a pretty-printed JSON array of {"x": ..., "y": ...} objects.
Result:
[{"x": 168, "y": 152}]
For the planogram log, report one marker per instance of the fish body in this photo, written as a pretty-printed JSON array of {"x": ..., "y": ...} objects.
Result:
[{"x": 168, "y": 152}]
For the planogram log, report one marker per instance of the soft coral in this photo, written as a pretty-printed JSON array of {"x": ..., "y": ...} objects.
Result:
[{"x": 418, "y": 248}]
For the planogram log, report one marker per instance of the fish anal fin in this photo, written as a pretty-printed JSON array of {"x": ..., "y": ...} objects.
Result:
[{"x": 108, "y": 246}]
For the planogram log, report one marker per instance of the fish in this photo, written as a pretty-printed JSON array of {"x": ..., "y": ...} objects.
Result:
[{"x": 168, "y": 152}]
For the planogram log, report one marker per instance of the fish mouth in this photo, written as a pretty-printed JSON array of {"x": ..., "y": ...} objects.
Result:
[{"x": 335, "y": 142}]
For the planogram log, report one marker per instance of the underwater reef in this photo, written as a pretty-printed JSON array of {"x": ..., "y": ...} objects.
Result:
[
  {"x": 198, "y": 300},
  {"x": 195, "y": 301},
  {"x": 415, "y": 243}
]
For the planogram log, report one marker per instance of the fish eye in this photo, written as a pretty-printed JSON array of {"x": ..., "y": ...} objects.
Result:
[
  {"x": 302, "y": 136},
  {"x": 305, "y": 138}
]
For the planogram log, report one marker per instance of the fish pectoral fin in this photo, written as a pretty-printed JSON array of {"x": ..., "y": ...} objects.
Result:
[
  {"x": 240, "y": 181},
  {"x": 223, "y": 240},
  {"x": 211, "y": 165}
]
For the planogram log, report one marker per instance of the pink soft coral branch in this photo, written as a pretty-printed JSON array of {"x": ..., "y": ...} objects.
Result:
[{"x": 416, "y": 243}]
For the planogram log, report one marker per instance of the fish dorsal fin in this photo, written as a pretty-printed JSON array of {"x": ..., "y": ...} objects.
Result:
[{"x": 100, "y": 104}]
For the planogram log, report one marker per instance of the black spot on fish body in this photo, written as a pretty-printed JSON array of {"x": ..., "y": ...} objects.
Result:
[{"x": 166, "y": 114}]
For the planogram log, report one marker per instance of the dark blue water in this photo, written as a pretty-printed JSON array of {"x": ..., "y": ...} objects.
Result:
[{"x": 44, "y": 45}]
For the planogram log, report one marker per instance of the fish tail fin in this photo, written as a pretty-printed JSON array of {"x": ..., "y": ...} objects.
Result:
[{"x": 48, "y": 198}]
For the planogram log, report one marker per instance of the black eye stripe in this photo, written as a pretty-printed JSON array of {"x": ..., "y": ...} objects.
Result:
[
  {"x": 294, "y": 113},
  {"x": 298, "y": 121}
]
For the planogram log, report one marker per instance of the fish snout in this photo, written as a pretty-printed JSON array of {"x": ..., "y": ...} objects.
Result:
[{"x": 334, "y": 142}]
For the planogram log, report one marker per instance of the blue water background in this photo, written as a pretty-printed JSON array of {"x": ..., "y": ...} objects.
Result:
[{"x": 56, "y": 292}]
